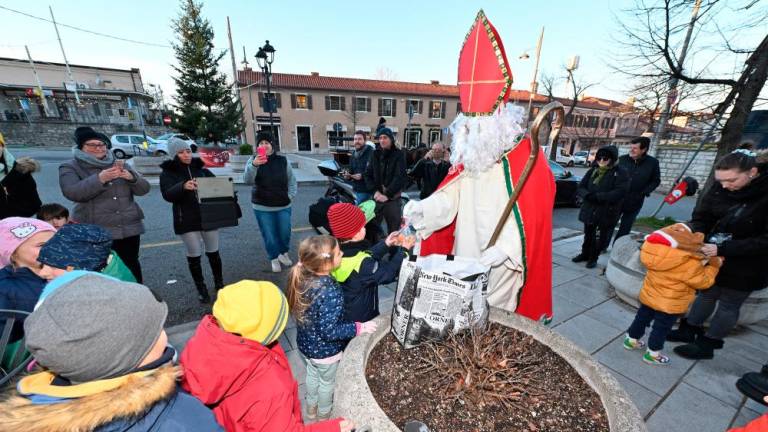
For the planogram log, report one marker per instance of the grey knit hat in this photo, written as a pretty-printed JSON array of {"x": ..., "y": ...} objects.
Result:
[
  {"x": 176, "y": 145},
  {"x": 88, "y": 326}
]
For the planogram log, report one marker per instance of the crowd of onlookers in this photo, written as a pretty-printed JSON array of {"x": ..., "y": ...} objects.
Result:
[{"x": 96, "y": 333}]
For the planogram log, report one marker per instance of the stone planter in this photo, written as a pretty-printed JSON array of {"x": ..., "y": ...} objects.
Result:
[
  {"x": 237, "y": 162},
  {"x": 625, "y": 273},
  {"x": 353, "y": 398},
  {"x": 148, "y": 166}
]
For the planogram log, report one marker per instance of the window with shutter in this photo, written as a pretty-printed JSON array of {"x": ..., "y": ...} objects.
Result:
[
  {"x": 300, "y": 101},
  {"x": 327, "y": 103},
  {"x": 436, "y": 109},
  {"x": 413, "y": 104},
  {"x": 442, "y": 109},
  {"x": 279, "y": 99},
  {"x": 388, "y": 107},
  {"x": 362, "y": 104},
  {"x": 293, "y": 101},
  {"x": 335, "y": 103},
  {"x": 343, "y": 103},
  {"x": 309, "y": 101},
  {"x": 368, "y": 105}
]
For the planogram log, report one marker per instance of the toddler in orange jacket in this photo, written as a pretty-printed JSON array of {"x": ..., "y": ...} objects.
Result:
[{"x": 676, "y": 269}]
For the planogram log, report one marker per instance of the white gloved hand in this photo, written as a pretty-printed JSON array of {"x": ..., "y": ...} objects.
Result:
[
  {"x": 414, "y": 213},
  {"x": 493, "y": 256}
]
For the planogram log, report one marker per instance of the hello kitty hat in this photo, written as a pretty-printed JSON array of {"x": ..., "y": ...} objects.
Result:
[{"x": 16, "y": 230}]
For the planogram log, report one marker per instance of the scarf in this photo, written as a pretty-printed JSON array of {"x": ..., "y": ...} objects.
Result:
[
  {"x": 599, "y": 173},
  {"x": 88, "y": 159},
  {"x": 6, "y": 163}
]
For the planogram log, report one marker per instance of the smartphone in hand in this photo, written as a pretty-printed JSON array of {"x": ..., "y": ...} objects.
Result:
[{"x": 262, "y": 151}]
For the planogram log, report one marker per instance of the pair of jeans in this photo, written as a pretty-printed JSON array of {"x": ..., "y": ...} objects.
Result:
[
  {"x": 392, "y": 212},
  {"x": 275, "y": 227},
  {"x": 627, "y": 220},
  {"x": 321, "y": 380},
  {"x": 662, "y": 324},
  {"x": 594, "y": 244},
  {"x": 128, "y": 251},
  {"x": 727, "y": 314},
  {"x": 361, "y": 197}
]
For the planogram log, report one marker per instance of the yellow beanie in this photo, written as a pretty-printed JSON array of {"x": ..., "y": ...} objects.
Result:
[
  {"x": 2, "y": 140},
  {"x": 255, "y": 310}
]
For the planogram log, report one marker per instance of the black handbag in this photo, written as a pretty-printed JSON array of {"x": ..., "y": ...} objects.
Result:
[{"x": 219, "y": 212}]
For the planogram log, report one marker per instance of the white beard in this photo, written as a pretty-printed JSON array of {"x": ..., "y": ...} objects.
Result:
[{"x": 480, "y": 141}]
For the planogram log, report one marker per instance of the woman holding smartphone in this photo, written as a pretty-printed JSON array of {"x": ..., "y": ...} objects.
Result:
[
  {"x": 103, "y": 190},
  {"x": 178, "y": 184},
  {"x": 733, "y": 215},
  {"x": 274, "y": 188}
]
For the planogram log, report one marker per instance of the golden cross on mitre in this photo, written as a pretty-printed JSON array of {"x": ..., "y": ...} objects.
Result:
[{"x": 484, "y": 75}]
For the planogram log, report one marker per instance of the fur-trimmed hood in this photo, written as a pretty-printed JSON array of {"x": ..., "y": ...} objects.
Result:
[
  {"x": 131, "y": 399},
  {"x": 27, "y": 165}
]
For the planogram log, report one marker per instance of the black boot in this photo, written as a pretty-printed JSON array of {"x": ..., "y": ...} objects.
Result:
[
  {"x": 214, "y": 259},
  {"x": 196, "y": 269},
  {"x": 754, "y": 385},
  {"x": 685, "y": 333},
  {"x": 703, "y": 348},
  {"x": 579, "y": 258}
]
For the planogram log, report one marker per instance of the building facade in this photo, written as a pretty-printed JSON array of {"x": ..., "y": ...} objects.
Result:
[
  {"x": 312, "y": 111},
  {"x": 107, "y": 99}
]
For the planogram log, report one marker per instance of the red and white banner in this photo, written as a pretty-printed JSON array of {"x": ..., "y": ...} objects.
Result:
[{"x": 215, "y": 157}]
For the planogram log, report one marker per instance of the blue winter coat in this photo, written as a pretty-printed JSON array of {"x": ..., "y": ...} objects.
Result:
[
  {"x": 361, "y": 272},
  {"x": 19, "y": 290},
  {"x": 322, "y": 332}
]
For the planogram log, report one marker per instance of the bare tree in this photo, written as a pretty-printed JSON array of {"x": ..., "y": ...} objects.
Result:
[
  {"x": 385, "y": 74},
  {"x": 549, "y": 83},
  {"x": 651, "y": 32}
]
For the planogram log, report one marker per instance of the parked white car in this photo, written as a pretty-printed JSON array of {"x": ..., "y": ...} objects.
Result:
[
  {"x": 581, "y": 157},
  {"x": 163, "y": 139},
  {"x": 128, "y": 145},
  {"x": 563, "y": 158}
]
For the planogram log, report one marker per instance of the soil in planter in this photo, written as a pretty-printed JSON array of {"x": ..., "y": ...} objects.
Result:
[{"x": 553, "y": 398}]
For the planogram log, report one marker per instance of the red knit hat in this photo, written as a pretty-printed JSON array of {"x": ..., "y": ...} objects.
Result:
[{"x": 346, "y": 220}]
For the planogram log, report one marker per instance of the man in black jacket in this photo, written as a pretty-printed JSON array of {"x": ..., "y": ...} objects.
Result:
[
  {"x": 431, "y": 169},
  {"x": 386, "y": 176},
  {"x": 358, "y": 163},
  {"x": 644, "y": 178}
]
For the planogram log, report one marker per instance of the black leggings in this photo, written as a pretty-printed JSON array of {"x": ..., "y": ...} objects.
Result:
[
  {"x": 596, "y": 238},
  {"x": 128, "y": 251}
]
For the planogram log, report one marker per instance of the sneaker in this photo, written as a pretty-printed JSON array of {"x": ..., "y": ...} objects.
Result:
[
  {"x": 276, "y": 266},
  {"x": 312, "y": 412},
  {"x": 285, "y": 259},
  {"x": 633, "y": 344},
  {"x": 659, "y": 359}
]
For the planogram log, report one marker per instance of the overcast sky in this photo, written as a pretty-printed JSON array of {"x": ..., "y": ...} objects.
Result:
[{"x": 417, "y": 40}]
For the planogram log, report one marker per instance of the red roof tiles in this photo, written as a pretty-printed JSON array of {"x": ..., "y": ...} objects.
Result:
[{"x": 319, "y": 82}]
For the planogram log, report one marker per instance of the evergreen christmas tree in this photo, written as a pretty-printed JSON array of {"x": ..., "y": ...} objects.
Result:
[{"x": 205, "y": 104}]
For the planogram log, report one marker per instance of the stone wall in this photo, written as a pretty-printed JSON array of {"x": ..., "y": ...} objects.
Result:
[
  {"x": 672, "y": 159},
  {"x": 60, "y": 133}
]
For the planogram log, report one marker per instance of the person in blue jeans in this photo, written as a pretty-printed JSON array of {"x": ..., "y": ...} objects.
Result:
[{"x": 274, "y": 187}]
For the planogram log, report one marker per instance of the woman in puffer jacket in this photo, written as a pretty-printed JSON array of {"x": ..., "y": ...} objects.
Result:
[
  {"x": 733, "y": 216},
  {"x": 602, "y": 189}
]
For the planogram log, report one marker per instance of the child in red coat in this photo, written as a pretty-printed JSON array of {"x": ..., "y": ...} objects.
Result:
[{"x": 235, "y": 365}]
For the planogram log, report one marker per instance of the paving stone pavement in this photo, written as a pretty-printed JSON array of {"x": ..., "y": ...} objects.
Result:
[{"x": 685, "y": 396}]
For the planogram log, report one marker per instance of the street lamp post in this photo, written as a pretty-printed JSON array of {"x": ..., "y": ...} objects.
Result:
[{"x": 264, "y": 58}]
